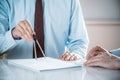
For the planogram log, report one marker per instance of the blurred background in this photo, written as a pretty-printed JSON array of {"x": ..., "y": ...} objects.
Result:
[{"x": 102, "y": 18}]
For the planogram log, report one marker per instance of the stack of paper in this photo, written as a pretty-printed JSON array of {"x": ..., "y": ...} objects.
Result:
[{"x": 45, "y": 63}]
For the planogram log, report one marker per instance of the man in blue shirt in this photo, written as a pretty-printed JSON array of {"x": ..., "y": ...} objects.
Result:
[{"x": 64, "y": 29}]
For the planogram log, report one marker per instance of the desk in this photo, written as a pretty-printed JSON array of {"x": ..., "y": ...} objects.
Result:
[{"x": 8, "y": 72}]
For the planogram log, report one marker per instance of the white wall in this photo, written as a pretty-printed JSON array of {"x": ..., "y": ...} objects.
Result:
[
  {"x": 105, "y": 35},
  {"x": 101, "y": 9},
  {"x": 103, "y": 22}
]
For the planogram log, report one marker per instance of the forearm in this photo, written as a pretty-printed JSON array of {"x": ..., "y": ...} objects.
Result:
[
  {"x": 79, "y": 50},
  {"x": 78, "y": 47},
  {"x": 117, "y": 62},
  {"x": 78, "y": 37},
  {"x": 6, "y": 41}
]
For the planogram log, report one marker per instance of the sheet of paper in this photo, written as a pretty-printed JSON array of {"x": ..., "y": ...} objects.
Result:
[{"x": 45, "y": 63}]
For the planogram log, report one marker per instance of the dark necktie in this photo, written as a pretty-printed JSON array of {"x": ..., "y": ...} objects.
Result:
[{"x": 38, "y": 27}]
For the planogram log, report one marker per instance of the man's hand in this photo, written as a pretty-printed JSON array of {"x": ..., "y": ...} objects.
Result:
[
  {"x": 68, "y": 56},
  {"x": 98, "y": 56},
  {"x": 23, "y": 30},
  {"x": 95, "y": 51}
]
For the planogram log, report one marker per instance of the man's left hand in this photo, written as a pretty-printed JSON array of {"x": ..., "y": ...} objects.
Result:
[{"x": 69, "y": 56}]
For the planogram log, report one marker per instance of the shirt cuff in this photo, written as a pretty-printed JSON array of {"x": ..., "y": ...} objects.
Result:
[
  {"x": 80, "y": 55},
  {"x": 81, "y": 51},
  {"x": 9, "y": 41},
  {"x": 115, "y": 52}
]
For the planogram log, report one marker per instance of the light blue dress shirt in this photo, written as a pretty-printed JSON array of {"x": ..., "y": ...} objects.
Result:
[{"x": 64, "y": 27}]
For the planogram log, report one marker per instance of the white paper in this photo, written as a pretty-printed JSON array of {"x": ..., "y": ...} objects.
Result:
[{"x": 45, "y": 63}]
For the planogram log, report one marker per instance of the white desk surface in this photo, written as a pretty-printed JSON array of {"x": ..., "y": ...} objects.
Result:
[{"x": 8, "y": 72}]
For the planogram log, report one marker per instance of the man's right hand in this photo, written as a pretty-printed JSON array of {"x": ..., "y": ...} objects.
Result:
[{"x": 23, "y": 30}]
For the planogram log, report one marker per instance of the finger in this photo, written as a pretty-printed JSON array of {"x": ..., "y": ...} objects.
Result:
[
  {"x": 30, "y": 37},
  {"x": 22, "y": 33},
  {"x": 92, "y": 60},
  {"x": 93, "y": 52},
  {"x": 20, "y": 29},
  {"x": 61, "y": 57},
  {"x": 67, "y": 58},
  {"x": 72, "y": 57},
  {"x": 29, "y": 27},
  {"x": 65, "y": 55},
  {"x": 90, "y": 53},
  {"x": 101, "y": 49},
  {"x": 17, "y": 33},
  {"x": 95, "y": 60},
  {"x": 94, "y": 64},
  {"x": 76, "y": 58},
  {"x": 25, "y": 37},
  {"x": 26, "y": 32}
]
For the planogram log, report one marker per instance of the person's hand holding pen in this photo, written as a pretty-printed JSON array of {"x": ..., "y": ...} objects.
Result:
[{"x": 23, "y": 30}]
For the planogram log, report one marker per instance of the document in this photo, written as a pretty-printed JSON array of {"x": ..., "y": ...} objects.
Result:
[{"x": 45, "y": 63}]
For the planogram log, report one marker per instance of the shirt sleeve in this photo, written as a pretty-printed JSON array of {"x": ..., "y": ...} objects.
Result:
[
  {"x": 78, "y": 38},
  {"x": 6, "y": 39},
  {"x": 116, "y": 52}
]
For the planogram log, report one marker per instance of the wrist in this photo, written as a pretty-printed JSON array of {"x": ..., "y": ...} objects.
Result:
[
  {"x": 78, "y": 55},
  {"x": 117, "y": 63}
]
